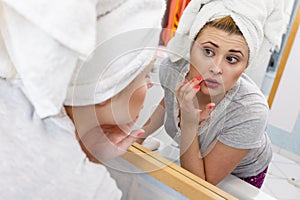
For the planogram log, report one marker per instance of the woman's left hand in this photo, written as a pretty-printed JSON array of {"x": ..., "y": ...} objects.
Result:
[
  {"x": 186, "y": 92},
  {"x": 106, "y": 142}
]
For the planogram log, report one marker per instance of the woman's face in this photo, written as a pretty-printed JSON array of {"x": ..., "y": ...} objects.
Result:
[
  {"x": 220, "y": 58},
  {"x": 115, "y": 116},
  {"x": 125, "y": 107}
]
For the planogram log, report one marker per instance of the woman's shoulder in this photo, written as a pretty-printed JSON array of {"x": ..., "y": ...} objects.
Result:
[
  {"x": 245, "y": 108},
  {"x": 248, "y": 98},
  {"x": 249, "y": 91}
]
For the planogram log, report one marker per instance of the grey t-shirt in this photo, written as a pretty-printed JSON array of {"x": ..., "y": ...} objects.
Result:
[{"x": 238, "y": 121}]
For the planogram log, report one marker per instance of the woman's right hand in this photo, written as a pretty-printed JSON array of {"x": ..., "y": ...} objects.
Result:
[{"x": 186, "y": 92}]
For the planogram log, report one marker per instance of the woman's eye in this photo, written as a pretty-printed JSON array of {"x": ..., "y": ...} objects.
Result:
[
  {"x": 232, "y": 59},
  {"x": 208, "y": 52}
]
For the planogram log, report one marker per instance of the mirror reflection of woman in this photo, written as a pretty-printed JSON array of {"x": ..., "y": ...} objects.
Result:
[
  {"x": 213, "y": 110},
  {"x": 229, "y": 143}
]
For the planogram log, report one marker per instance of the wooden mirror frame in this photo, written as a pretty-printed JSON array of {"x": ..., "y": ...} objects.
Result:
[{"x": 285, "y": 55}]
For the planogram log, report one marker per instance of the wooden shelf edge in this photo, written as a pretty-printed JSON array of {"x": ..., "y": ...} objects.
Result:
[{"x": 173, "y": 175}]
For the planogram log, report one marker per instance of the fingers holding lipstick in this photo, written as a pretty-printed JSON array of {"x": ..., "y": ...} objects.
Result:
[
  {"x": 190, "y": 112},
  {"x": 189, "y": 88},
  {"x": 185, "y": 94}
]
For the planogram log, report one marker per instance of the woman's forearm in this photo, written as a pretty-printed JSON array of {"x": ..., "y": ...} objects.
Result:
[{"x": 191, "y": 158}]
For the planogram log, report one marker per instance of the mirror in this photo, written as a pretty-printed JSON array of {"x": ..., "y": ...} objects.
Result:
[{"x": 280, "y": 58}]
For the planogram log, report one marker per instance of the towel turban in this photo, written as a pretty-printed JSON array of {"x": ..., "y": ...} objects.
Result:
[
  {"x": 49, "y": 46},
  {"x": 128, "y": 37},
  {"x": 257, "y": 20}
]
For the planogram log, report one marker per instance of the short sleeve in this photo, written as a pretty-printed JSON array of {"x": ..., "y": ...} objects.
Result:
[{"x": 245, "y": 125}]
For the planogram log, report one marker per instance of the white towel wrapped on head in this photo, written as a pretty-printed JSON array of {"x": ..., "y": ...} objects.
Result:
[
  {"x": 67, "y": 21},
  {"x": 257, "y": 20},
  {"x": 44, "y": 41},
  {"x": 127, "y": 40}
]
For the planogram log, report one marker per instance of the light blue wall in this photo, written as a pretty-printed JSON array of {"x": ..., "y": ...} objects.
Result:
[{"x": 288, "y": 141}]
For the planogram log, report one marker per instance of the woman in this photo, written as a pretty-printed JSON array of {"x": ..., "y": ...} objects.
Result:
[
  {"x": 233, "y": 138},
  {"x": 115, "y": 117},
  {"x": 41, "y": 159},
  {"x": 47, "y": 55},
  {"x": 213, "y": 110}
]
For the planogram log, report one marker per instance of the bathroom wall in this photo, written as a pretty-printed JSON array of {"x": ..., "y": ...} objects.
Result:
[{"x": 284, "y": 126}]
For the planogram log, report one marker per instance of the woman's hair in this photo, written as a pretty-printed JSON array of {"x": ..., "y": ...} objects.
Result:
[{"x": 225, "y": 24}]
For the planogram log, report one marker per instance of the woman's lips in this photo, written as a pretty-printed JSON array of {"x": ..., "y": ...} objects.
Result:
[{"x": 211, "y": 83}]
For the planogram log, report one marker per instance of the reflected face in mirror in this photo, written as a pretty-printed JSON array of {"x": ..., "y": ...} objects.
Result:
[
  {"x": 125, "y": 107},
  {"x": 102, "y": 129},
  {"x": 220, "y": 58}
]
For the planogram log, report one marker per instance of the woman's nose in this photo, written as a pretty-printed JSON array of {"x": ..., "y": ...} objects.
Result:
[{"x": 216, "y": 67}]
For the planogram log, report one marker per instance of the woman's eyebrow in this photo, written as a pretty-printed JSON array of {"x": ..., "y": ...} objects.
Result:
[
  {"x": 217, "y": 46},
  {"x": 209, "y": 42},
  {"x": 236, "y": 51}
]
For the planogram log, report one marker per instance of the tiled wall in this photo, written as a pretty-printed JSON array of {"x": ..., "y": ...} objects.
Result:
[
  {"x": 285, "y": 140},
  {"x": 286, "y": 105}
]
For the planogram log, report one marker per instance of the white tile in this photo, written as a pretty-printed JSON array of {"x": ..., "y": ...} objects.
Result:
[
  {"x": 282, "y": 189},
  {"x": 269, "y": 180},
  {"x": 289, "y": 170},
  {"x": 274, "y": 172},
  {"x": 290, "y": 155},
  {"x": 276, "y": 149},
  {"x": 267, "y": 190},
  {"x": 282, "y": 159},
  {"x": 243, "y": 190},
  {"x": 276, "y": 183}
]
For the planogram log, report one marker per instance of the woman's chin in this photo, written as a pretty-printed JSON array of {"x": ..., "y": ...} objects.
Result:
[{"x": 124, "y": 124}]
